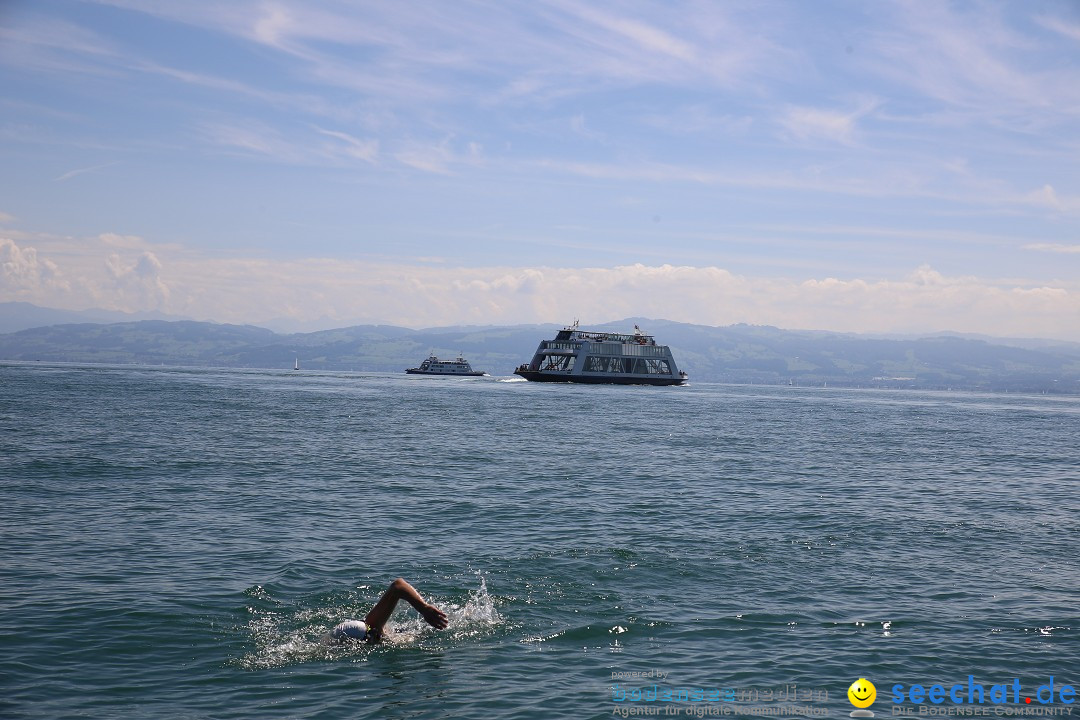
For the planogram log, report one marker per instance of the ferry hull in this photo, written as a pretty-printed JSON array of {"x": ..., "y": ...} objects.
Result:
[
  {"x": 417, "y": 371},
  {"x": 538, "y": 376}
]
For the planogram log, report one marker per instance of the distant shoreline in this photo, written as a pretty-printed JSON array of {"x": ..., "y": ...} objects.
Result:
[{"x": 830, "y": 385}]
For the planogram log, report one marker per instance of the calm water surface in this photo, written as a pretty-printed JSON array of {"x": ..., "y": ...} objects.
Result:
[{"x": 176, "y": 541}]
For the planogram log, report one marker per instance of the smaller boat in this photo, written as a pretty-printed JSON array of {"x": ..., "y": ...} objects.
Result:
[
  {"x": 296, "y": 364},
  {"x": 435, "y": 366}
]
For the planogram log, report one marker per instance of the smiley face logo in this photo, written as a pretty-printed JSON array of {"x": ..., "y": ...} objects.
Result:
[{"x": 862, "y": 693}]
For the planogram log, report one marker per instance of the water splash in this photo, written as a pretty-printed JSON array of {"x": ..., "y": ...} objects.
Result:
[
  {"x": 286, "y": 637},
  {"x": 477, "y": 617}
]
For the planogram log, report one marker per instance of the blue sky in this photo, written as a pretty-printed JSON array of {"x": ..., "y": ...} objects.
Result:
[{"x": 853, "y": 166}]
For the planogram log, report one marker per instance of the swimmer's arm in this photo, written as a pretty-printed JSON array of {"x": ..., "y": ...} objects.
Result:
[
  {"x": 401, "y": 590},
  {"x": 434, "y": 616}
]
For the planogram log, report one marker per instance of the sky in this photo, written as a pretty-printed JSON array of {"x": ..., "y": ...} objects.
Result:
[{"x": 886, "y": 167}]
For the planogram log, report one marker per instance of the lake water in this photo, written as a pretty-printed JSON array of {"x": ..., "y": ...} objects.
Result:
[{"x": 176, "y": 542}]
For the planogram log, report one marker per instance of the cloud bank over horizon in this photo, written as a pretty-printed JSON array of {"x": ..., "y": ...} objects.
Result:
[{"x": 127, "y": 274}]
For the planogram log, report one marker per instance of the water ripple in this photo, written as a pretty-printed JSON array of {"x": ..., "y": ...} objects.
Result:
[{"x": 177, "y": 542}]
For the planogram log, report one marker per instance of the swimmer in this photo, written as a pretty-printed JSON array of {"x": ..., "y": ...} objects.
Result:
[{"x": 370, "y": 629}]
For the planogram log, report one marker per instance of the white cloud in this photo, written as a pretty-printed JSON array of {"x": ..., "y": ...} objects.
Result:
[
  {"x": 273, "y": 24},
  {"x": 699, "y": 119},
  {"x": 556, "y": 47},
  {"x": 303, "y": 102},
  {"x": 129, "y": 243},
  {"x": 806, "y": 123},
  {"x": 1048, "y": 197},
  {"x": 929, "y": 301},
  {"x": 258, "y": 138},
  {"x": 1054, "y": 247},
  {"x": 55, "y": 45},
  {"x": 971, "y": 57},
  {"x": 1069, "y": 30},
  {"x": 366, "y": 150},
  {"x": 137, "y": 282},
  {"x": 642, "y": 36},
  {"x": 82, "y": 171},
  {"x": 251, "y": 138},
  {"x": 429, "y": 158},
  {"x": 416, "y": 65},
  {"x": 1044, "y": 196},
  {"x": 126, "y": 273},
  {"x": 440, "y": 158},
  {"x": 25, "y": 276},
  {"x": 810, "y": 123}
]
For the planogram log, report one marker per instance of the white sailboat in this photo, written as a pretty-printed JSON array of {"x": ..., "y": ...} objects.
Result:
[{"x": 296, "y": 364}]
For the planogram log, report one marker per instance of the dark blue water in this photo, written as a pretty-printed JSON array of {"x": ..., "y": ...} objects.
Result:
[{"x": 175, "y": 543}]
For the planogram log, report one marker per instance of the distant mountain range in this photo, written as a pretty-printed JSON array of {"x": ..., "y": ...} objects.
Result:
[
  {"x": 737, "y": 354},
  {"x": 15, "y": 316}
]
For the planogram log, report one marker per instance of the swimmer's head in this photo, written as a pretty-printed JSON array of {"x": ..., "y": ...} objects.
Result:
[{"x": 350, "y": 630}]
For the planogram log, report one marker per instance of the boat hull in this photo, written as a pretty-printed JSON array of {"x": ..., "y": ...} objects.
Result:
[
  {"x": 538, "y": 376},
  {"x": 418, "y": 371}
]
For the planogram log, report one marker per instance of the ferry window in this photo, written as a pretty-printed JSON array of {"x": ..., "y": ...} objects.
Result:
[{"x": 598, "y": 363}]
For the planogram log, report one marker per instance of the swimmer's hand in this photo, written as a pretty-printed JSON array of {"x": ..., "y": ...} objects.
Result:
[{"x": 434, "y": 616}]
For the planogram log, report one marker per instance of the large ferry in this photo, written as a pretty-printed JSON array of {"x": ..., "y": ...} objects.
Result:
[
  {"x": 584, "y": 356},
  {"x": 435, "y": 366}
]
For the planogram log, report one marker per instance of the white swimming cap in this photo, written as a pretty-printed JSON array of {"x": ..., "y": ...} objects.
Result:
[{"x": 350, "y": 629}]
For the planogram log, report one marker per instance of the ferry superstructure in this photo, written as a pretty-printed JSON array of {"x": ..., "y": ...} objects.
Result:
[
  {"x": 585, "y": 356},
  {"x": 435, "y": 366}
]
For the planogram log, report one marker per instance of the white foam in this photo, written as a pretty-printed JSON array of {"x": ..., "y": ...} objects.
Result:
[
  {"x": 287, "y": 638},
  {"x": 477, "y": 617}
]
